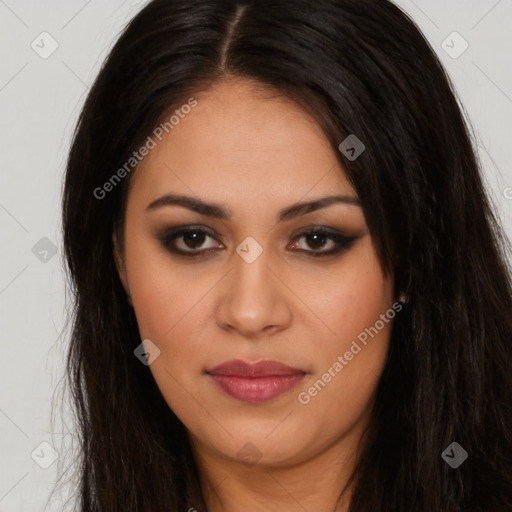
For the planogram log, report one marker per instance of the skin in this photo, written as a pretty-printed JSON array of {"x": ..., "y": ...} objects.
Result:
[{"x": 255, "y": 153}]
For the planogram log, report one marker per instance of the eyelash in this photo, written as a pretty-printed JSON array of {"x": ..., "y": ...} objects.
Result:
[{"x": 343, "y": 242}]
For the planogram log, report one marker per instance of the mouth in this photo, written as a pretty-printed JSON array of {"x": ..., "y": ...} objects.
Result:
[{"x": 255, "y": 382}]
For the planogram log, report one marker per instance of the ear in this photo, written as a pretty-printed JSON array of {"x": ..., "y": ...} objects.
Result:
[
  {"x": 403, "y": 298},
  {"x": 121, "y": 267}
]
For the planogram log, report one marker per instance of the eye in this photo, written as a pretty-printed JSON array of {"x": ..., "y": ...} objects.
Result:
[
  {"x": 192, "y": 239},
  {"x": 319, "y": 237}
]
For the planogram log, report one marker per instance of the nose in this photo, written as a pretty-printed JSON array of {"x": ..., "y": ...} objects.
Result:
[{"x": 254, "y": 299}]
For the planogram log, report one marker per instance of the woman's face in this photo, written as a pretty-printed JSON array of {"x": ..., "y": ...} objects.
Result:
[{"x": 246, "y": 283}]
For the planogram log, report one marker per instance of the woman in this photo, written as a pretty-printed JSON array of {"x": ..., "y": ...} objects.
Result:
[{"x": 290, "y": 289}]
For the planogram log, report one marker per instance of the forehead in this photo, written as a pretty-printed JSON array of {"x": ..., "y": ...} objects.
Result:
[{"x": 242, "y": 141}]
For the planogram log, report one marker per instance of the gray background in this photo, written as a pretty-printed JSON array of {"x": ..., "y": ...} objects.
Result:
[{"x": 40, "y": 99}]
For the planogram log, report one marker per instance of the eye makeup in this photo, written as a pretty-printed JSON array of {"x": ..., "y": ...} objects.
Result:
[{"x": 189, "y": 241}]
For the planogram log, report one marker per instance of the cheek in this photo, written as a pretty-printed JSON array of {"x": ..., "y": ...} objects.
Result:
[
  {"x": 352, "y": 354},
  {"x": 351, "y": 296},
  {"x": 165, "y": 294}
]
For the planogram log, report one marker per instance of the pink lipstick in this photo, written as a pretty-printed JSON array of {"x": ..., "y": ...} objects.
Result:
[{"x": 255, "y": 382}]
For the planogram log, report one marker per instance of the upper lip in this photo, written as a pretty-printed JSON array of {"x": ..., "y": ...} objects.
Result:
[{"x": 266, "y": 368}]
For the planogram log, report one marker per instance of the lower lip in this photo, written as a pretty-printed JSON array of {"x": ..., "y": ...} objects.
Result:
[{"x": 256, "y": 390}]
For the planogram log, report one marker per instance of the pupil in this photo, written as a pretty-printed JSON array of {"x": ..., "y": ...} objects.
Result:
[
  {"x": 196, "y": 238},
  {"x": 319, "y": 240}
]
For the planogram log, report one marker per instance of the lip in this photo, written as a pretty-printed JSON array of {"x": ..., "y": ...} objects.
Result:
[{"x": 255, "y": 382}]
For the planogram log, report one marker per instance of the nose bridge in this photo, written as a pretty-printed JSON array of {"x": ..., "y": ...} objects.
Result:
[
  {"x": 251, "y": 268},
  {"x": 252, "y": 299},
  {"x": 250, "y": 286}
]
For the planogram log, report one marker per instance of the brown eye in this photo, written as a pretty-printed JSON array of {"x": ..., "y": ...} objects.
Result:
[
  {"x": 194, "y": 239},
  {"x": 191, "y": 241},
  {"x": 318, "y": 238},
  {"x": 188, "y": 241}
]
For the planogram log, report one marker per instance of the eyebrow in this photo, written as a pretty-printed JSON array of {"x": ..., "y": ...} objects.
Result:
[{"x": 219, "y": 212}]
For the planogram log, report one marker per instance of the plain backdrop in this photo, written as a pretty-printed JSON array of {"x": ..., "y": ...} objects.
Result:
[{"x": 40, "y": 98}]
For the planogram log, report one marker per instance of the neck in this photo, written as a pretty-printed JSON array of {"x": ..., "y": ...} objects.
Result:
[{"x": 314, "y": 484}]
